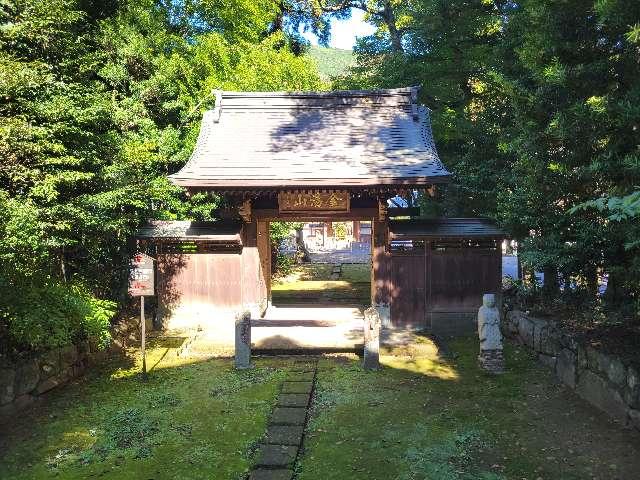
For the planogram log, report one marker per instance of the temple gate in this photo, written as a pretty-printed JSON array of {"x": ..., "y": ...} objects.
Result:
[{"x": 316, "y": 156}]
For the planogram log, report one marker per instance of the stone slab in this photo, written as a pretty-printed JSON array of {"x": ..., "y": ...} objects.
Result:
[
  {"x": 566, "y": 367},
  {"x": 7, "y": 378},
  {"x": 300, "y": 376},
  {"x": 288, "y": 416},
  {"x": 293, "y": 400},
  {"x": 548, "y": 360},
  {"x": 526, "y": 330},
  {"x": 269, "y": 474},
  {"x": 297, "y": 387},
  {"x": 303, "y": 367},
  {"x": 284, "y": 434},
  {"x": 596, "y": 391},
  {"x": 46, "y": 385},
  {"x": 27, "y": 377},
  {"x": 634, "y": 418},
  {"x": 282, "y": 456}
]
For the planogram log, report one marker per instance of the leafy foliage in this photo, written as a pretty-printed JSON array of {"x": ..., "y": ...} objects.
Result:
[
  {"x": 101, "y": 100},
  {"x": 535, "y": 112},
  {"x": 332, "y": 62},
  {"x": 279, "y": 233}
]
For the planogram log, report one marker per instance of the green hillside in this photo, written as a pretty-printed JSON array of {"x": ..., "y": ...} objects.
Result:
[{"x": 331, "y": 61}]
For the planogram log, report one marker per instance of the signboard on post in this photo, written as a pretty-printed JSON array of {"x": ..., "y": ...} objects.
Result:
[
  {"x": 141, "y": 276},
  {"x": 141, "y": 280}
]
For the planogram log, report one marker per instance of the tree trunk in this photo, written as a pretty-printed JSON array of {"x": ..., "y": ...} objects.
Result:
[
  {"x": 63, "y": 266},
  {"x": 615, "y": 293},
  {"x": 301, "y": 246},
  {"x": 591, "y": 280},
  {"x": 550, "y": 286},
  {"x": 389, "y": 17},
  {"x": 278, "y": 21}
]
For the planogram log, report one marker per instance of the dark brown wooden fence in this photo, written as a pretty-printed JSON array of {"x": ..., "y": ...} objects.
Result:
[
  {"x": 439, "y": 287},
  {"x": 190, "y": 279}
]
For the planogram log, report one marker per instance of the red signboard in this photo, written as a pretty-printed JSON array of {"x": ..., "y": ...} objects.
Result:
[{"x": 141, "y": 276}]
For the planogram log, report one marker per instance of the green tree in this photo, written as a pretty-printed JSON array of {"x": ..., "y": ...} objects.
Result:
[{"x": 101, "y": 100}]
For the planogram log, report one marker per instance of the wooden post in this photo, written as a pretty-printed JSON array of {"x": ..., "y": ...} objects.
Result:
[
  {"x": 143, "y": 335},
  {"x": 380, "y": 271}
]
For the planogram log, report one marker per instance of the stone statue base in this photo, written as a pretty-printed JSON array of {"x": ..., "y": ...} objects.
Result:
[{"x": 492, "y": 361}]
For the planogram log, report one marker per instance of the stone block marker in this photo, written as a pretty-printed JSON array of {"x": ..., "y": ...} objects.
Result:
[
  {"x": 242, "y": 358},
  {"x": 285, "y": 431},
  {"x": 372, "y": 326}
]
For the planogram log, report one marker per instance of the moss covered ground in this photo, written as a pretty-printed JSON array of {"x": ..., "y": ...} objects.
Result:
[
  {"x": 420, "y": 417},
  {"x": 310, "y": 283},
  {"x": 190, "y": 420}
]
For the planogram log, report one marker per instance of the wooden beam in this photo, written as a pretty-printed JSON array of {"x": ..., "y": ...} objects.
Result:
[
  {"x": 403, "y": 212},
  {"x": 355, "y": 214},
  {"x": 272, "y": 214}
]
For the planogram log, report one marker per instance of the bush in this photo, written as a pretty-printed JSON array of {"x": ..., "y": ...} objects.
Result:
[
  {"x": 52, "y": 314},
  {"x": 38, "y": 310},
  {"x": 284, "y": 264}
]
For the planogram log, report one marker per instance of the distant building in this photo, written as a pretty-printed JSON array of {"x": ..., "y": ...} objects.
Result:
[{"x": 337, "y": 235}]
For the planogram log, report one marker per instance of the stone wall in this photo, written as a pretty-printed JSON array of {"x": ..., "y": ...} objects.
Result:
[
  {"x": 600, "y": 378},
  {"x": 23, "y": 381}
]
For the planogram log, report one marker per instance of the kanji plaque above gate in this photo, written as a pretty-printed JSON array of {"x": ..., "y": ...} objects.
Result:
[{"x": 314, "y": 201}]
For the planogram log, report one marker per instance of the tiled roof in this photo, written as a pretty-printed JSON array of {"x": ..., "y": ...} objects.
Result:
[
  {"x": 444, "y": 228},
  {"x": 187, "y": 230},
  {"x": 316, "y": 139}
]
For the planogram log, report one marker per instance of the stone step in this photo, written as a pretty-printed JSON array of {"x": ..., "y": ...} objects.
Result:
[
  {"x": 300, "y": 377},
  {"x": 281, "y": 456},
  {"x": 284, "y": 434},
  {"x": 279, "y": 451},
  {"x": 288, "y": 416},
  {"x": 297, "y": 387},
  {"x": 271, "y": 474},
  {"x": 293, "y": 400}
]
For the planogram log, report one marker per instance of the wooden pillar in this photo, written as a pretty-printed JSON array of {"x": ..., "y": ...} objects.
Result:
[
  {"x": 380, "y": 270},
  {"x": 356, "y": 231},
  {"x": 254, "y": 289},
  {"x": 264, "y": 252},
  {"x": 330, "y": 233}
]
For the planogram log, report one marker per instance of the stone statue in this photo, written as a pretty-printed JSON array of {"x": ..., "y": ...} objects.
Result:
[
  {"x": 489, "y": 324},
  {"x": 490, "y": 357}
]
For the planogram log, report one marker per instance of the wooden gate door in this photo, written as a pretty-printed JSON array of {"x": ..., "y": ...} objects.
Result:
[{"x": 408, "y": 289}]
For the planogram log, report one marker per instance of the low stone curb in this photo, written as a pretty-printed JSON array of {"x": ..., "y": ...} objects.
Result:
[
  {"x": 285, "y": 430},
  {"x": 25, "y": 381},
  {"x": 600, "y": 378}
]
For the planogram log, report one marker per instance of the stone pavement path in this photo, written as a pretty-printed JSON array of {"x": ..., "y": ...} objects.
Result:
[
  {"x": 279, "y": 451},
  {"x": 336, "y": 272},
  {"x": 341, "y": 256}
]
